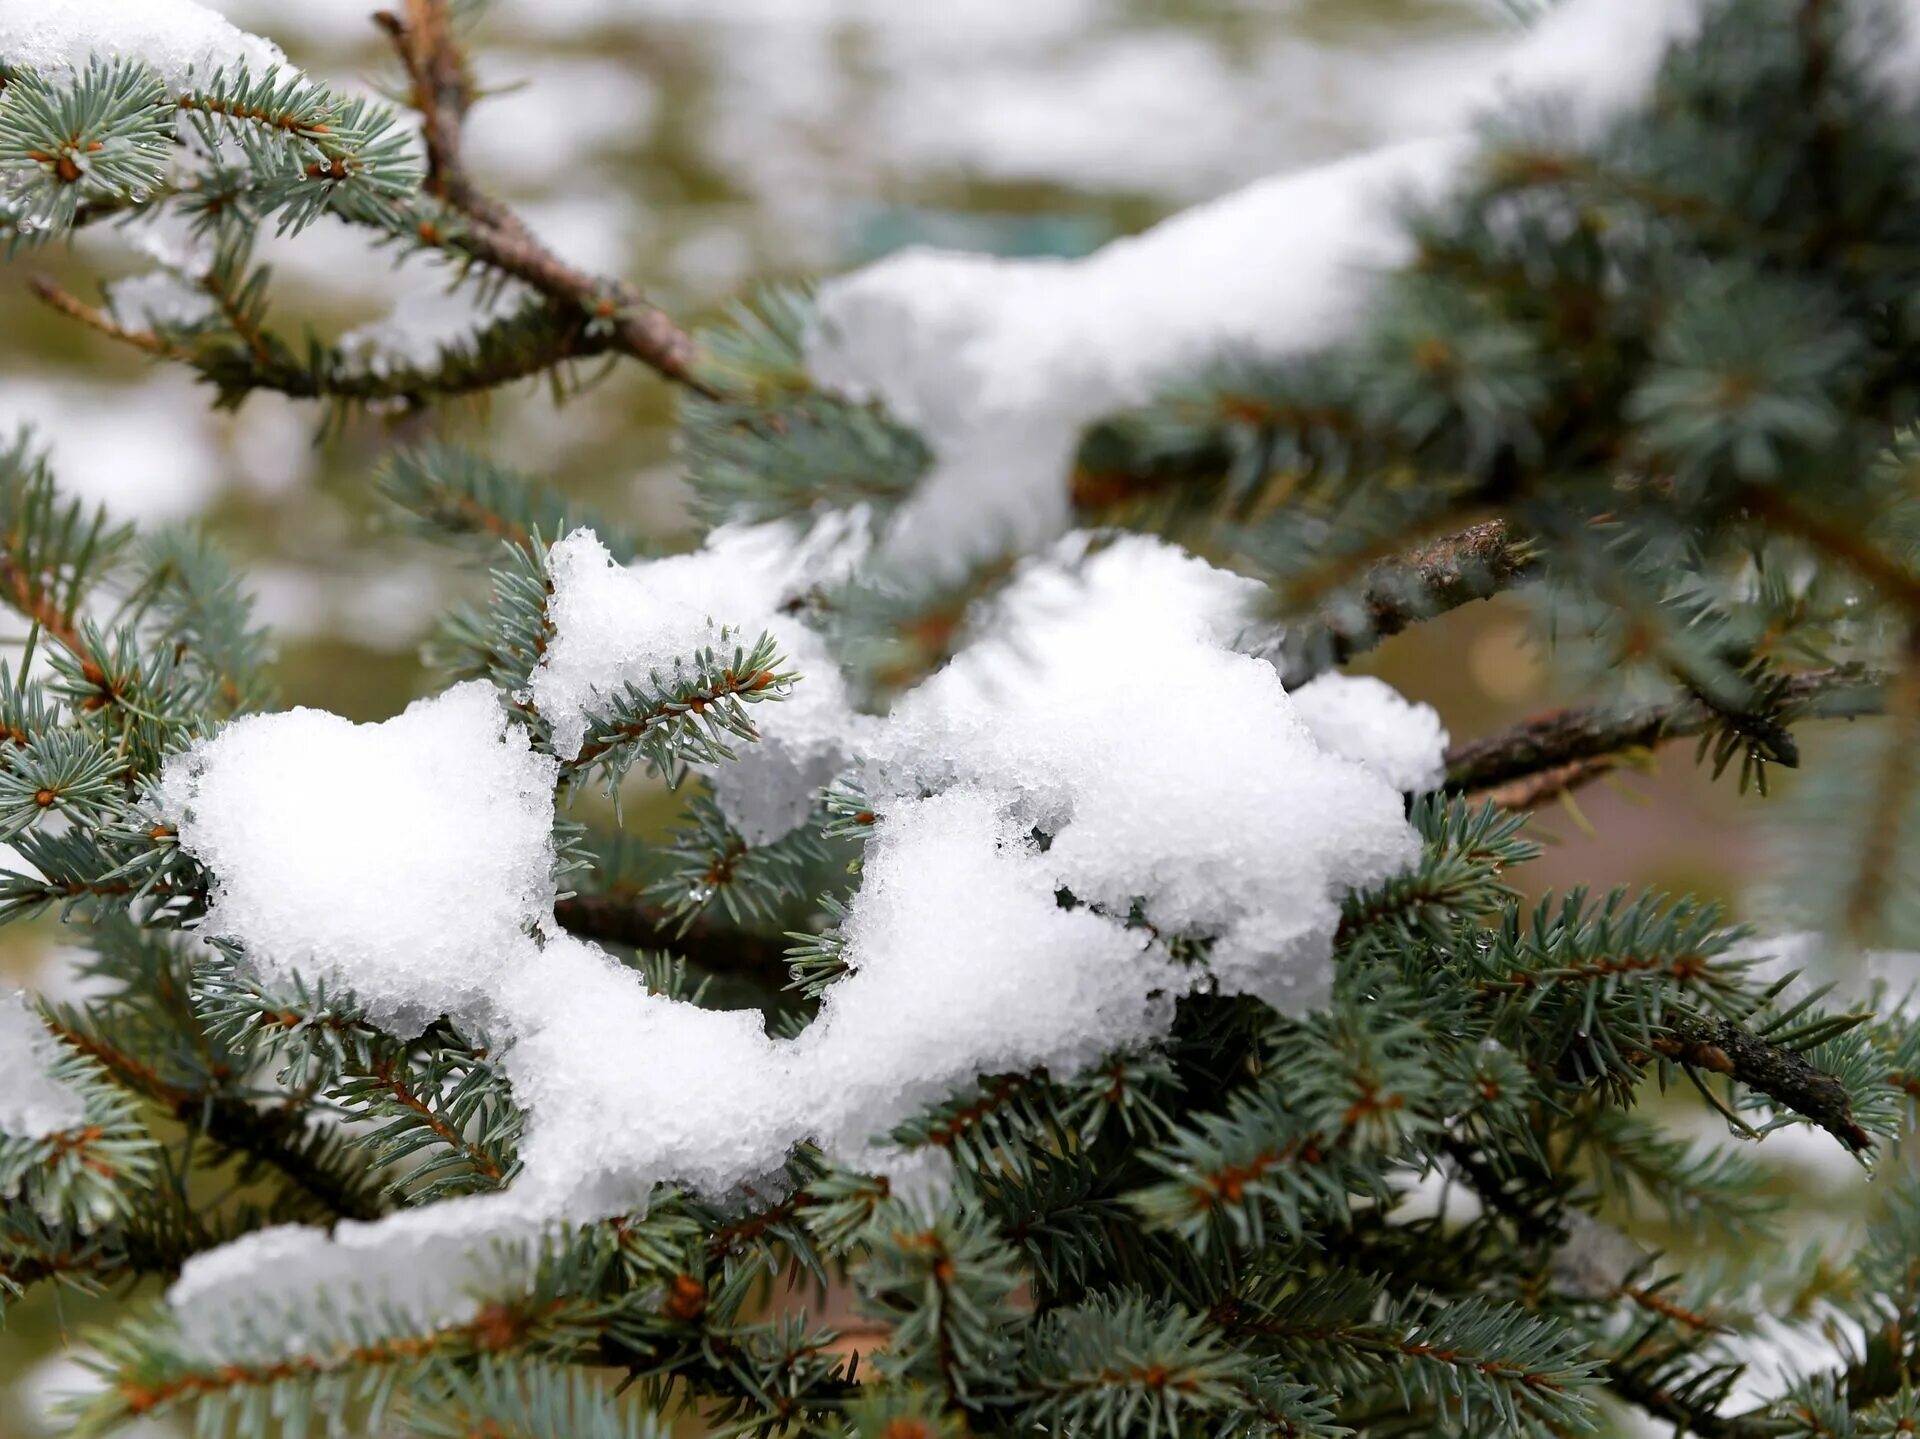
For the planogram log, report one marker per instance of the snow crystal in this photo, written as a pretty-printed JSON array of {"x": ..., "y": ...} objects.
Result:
[
  {"x": 33, "y": 1103},
  {"x": 1002, "y": 363},
  {"x": 402, "y": 860},
  {"x": 617, "y": 626},
  {"x": 1367, "y": 720},
  {"x": 176, "y": 38}
]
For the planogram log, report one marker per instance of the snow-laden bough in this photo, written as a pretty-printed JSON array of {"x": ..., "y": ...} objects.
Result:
[{"x": 410, "y": 863}]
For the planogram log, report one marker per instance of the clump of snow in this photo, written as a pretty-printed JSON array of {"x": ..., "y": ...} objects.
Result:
[
  {"x": 1368, "y": 721},
  {"x": 1594, "y": 59},
  {"x": 1001, "y": 363},
  {"x": 402, "y": 860},
  {"x": 616, "y": 627},
  {"x": 34, "y": 1103},
  {"x": 1116, "y": 716},
  {"x": 174, "y": 38},
  {"x": 964, "y": 963}
]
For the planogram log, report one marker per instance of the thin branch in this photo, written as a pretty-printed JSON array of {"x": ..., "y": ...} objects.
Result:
[
  {"x": 1474, "y": 564},
  {"x": 442, "y": 89},
  {"x": 496, "y": 236},
  {"x": 95, "y": 318},
  {"x": 1720, "y": 1046},
  {"x": 570, "y": 338},
  {"x": 636, "y": 327},
  {"x": 387, "y": 1073},
  {"x": 1554, "y": 752}
]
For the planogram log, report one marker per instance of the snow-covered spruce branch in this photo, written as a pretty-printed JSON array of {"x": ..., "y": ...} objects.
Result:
[
  {"x": 1130, "y": 990},
  {"x": 98, "y": 142}
]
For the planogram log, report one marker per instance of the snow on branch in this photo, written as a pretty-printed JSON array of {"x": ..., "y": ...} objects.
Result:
[
  {"x": 1001, "y": 363},
  {"x": 409, "y": 864},
  {"x": 176, "y": 39}
]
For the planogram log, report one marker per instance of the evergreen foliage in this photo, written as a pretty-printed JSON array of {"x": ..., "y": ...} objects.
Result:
[{"x": 1653, "y": 382}]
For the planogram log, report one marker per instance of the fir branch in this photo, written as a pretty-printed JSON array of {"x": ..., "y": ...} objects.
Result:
[
  {"x": 531, "y": 341},
  {"x": 687, "y": 716},
  {"x": 149, "y": 1372},
  {"x": 1465, "y": 853},
  {"x": 1566, "y": 747},
  {"x": 458, "y": 496},
  {"x": 507, "y": 1398},
  {"x": 1475, "y": 564},
  {"x": 278, "y": 1138},
  {"x": 92, "y": 1172},
  {"x": 945, "y": 1285},
  {"x": 429, "y": 1101},
  {"x": 51, "y": 550},
  {"x": 1639, "y": 1385},
  {"x": 776, "y": 446},
  {"x": 1473, "y": 1356}
]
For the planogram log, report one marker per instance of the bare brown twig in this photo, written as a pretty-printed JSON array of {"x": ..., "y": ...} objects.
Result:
[{"x": 442, "y": 90}]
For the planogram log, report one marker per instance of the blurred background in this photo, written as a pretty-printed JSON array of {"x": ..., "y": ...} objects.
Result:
[{"x": 701, "y": 147}]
